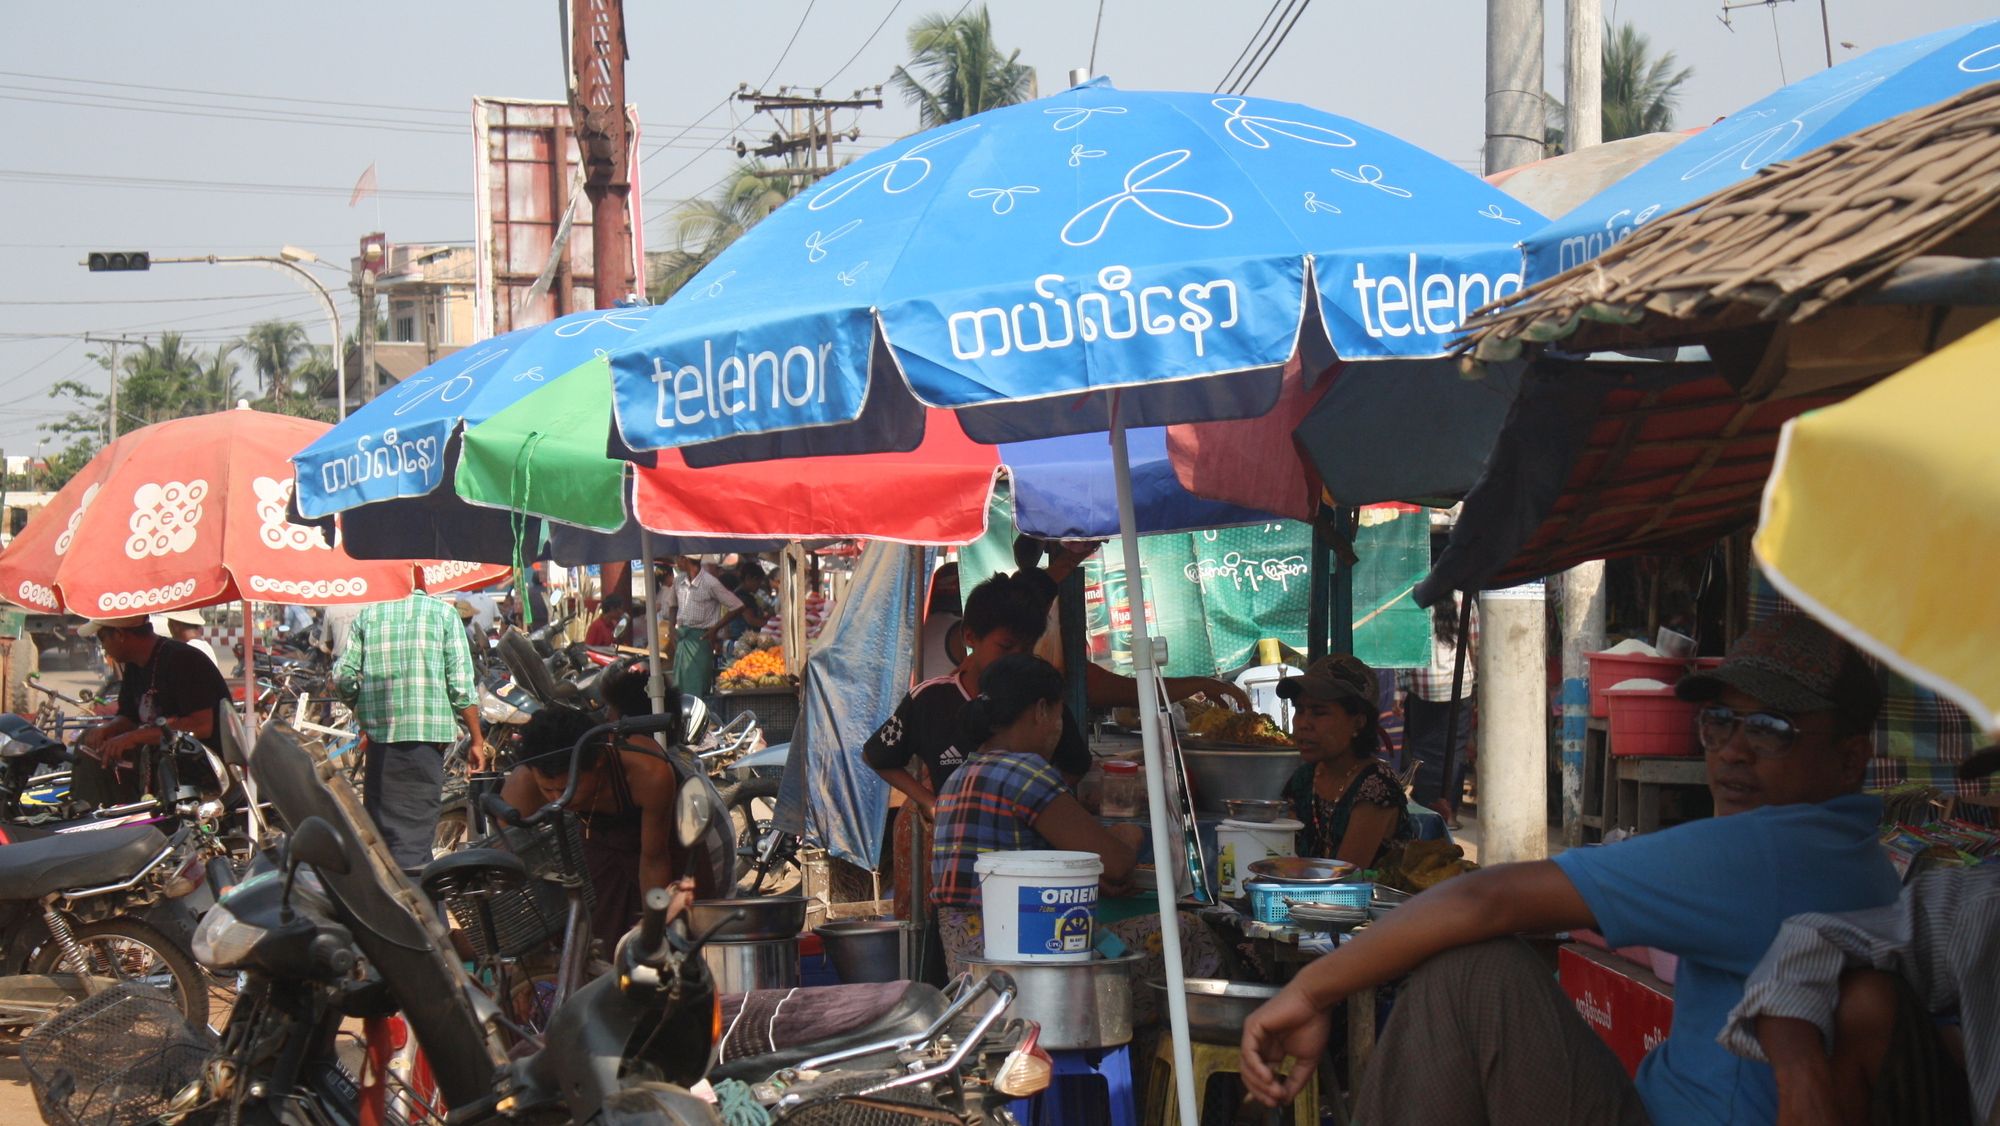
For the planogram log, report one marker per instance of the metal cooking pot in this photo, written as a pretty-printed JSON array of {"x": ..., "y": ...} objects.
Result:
[
  {"x": 866, "y": 950},
  {"x": 745, "y": 967},
  {"x": 764, "y": 918},
  {"x": 1218, "y": 774},
  {"x": 1078, "y": 1004},
  {"x": 1216, "y": 1009}
]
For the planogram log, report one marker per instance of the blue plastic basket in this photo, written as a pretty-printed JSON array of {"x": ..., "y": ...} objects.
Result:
[{"x": 1267, "y": 900}]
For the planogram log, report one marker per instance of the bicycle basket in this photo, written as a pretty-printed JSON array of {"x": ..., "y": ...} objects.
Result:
[
  {"x": 837, "y": 1102},
  {"x": 530, "y": 916},
  {"x": 115, "y": 1058}
]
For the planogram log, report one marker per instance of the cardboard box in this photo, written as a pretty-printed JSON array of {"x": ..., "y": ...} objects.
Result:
[{"x": 1626, "y": 1005}]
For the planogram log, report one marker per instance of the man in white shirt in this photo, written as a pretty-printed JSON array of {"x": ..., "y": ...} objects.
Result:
[
  {"x": 698, "y": 604},
  {"x": 186, "y": 625}
]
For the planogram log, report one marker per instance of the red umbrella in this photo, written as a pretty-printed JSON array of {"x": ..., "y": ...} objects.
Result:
[{"x": 191, "y": 512}]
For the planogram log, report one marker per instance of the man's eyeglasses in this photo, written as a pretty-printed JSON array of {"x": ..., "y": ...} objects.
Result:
[{"x": 1766, "y": 734}]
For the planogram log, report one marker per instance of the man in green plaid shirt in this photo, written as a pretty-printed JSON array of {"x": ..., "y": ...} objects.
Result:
[{"x": 406, "y": 669}]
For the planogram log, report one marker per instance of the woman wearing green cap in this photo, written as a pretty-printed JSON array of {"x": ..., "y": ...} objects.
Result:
[{"x": 1350, "y": 802}]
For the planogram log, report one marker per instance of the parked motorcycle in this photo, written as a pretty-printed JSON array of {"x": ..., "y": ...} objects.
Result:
[{"x": 336, "y": 931}]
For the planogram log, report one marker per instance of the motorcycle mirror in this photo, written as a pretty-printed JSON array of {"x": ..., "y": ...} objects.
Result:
[
  {"x": 318, "y": 843},
  {"x": 693, "y": 814}
]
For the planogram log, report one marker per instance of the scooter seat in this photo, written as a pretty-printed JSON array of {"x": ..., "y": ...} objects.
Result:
[
  {"x": 779, "y": 1028},
  {"x": 32, "y": 869}
]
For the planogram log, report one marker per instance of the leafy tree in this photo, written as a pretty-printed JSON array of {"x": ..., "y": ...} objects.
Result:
[
  {"x": 1640, "y": 88},
  {"x": 276, "y": 348},
  {"x": 956, "y": 70},
  {"x": 704, "y": 228},
  {"x": 159, "y": 380}
]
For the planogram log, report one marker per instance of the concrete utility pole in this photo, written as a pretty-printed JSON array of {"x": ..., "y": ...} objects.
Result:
[
  {"x": 604, "y": 139},
  {"x": 1582, "y": 586},
  {"x": 1513, "y": 725},
  {"x": 809, "y": 128},
  {"x": 1515, "y": 110},
  {"x": 111, "y": 396},
  {"x": 1583, "y": 74}
]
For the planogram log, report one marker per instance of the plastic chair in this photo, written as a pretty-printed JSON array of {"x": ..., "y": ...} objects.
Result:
[
  {"x": 1071, "y": 1099},
  {"x": 1211, "y": 1060}
]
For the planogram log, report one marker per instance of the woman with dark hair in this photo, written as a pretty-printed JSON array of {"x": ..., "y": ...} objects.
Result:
[
  {"x": 1008, "y": 796},
  {"x": 1350, "y": 802}
]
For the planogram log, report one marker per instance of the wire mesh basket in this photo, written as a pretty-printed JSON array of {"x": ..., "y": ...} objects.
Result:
[
  {"x": 115, "y": 1058},
  {"x": 512, "y": 923}
]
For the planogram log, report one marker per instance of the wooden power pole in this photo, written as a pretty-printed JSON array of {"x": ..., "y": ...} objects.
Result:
[
  {"x": 603, "y": 137},
  {"x": 808, "y": 130}
]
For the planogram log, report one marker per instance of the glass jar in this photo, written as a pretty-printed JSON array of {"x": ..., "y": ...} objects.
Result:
[{"x": 1124, "y": 790}]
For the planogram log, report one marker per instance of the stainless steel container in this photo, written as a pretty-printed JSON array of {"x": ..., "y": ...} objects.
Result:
[
  {"x": 1078, "y": 1004},
  {"x": 1218, "y": 775},
  {"x": 1216, "y": 1009},
  {"x": 744, "y": 967}
]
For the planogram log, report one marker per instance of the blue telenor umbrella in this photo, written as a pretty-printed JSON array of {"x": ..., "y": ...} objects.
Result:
[
  {"x": 396, "y": 446},
  {"x": 1795, "y": 119},
  {"x": 1093, "y": 240},
  {"x": 1173, "y": 249}
]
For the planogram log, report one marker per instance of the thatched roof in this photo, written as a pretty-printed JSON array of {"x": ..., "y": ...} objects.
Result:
[{"x": 1844, "y": 224}]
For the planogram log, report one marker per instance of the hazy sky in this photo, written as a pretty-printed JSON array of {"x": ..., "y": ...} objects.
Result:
[{"x": 190, "y": 170}]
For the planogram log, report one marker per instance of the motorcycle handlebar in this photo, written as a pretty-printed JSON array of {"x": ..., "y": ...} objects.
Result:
[
  {"x": 653, "y": 925},
  {"x": 497, "y": 809}
]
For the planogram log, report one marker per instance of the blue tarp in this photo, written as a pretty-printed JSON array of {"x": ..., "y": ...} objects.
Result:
[{"x": 858, "y": 672}]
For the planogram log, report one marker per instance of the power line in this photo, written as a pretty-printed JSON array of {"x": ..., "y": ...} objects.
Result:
[
  {"x": 229, "y": 186},
  {"x": 786, "y": 53},
  {"x": 864, "y": 44},
  {"x": 1273, "y": 52},
  {"x": 1229, "y": 77},
  {"x": 143, "y": 300},
  {"x": 225, "y": 93},
  {"x": 1096, "y": 29}
]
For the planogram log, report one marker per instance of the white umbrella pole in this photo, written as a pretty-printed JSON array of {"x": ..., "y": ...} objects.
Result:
[
  {"x": 1165, "y": 865},
  {"x": 249, "y": 671},
  {"x": 656, "y": 684}
]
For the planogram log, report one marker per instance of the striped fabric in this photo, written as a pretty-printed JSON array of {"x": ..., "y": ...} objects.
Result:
[
  {"x": 1942, "y": 936},
  {"x": 989, "y": 805}
]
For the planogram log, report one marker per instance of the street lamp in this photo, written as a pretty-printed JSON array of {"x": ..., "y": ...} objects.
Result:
[{"x": 286, "y": 260}]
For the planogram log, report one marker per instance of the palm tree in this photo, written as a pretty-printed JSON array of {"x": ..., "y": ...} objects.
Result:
[
  {"x": 959, "y": 71},
  {"x": 218, "y": 377},
  {"x": 703, "y": 228},
  {"x": 276, "y": 349},
  {"x": 1639, "y": 89}
]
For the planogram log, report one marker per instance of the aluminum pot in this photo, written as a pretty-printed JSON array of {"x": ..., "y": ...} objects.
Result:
[
  {"x": 1218, "y": 774},
  {"x": 866, "y": 950},
  {"x": 744, "y": 967},
  {"x": 764, "y": 918},
  {"x": 1078, "y": 1004},
  {"x": 1216, "y": 1009}
]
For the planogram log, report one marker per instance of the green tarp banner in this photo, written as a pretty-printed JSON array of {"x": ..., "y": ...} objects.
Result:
[{"x": 1214, "y": 595}]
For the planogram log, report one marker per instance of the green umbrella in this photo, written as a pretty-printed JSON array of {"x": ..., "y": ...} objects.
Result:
[{"x": 546, "y": 454}]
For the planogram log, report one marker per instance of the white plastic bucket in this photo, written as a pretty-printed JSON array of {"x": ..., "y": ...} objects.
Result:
[
  {"x": 1039, "y": 905},
  {"x": 1239, "y": 844}
]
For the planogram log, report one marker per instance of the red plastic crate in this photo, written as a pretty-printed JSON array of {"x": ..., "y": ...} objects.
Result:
[
  {"x": 1652, "y": 722},
  {"x": 1629, "y": 1008}
]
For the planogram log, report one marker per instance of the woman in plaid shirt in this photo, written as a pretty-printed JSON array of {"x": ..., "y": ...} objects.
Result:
[{"x": 1008, "y": 797}]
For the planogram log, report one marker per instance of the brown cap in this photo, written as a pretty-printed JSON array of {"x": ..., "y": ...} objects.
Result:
[
  {"x": 1793, "y": 664},
  {"x": 1338, "y": 676}
]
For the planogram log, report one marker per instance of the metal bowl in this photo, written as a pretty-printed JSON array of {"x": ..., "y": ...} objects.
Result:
[
  {"x": 764, "y": 918},
  {"x": 1217, "y": 774},
  {"x": 1216, "y": 1009},
  {"x": 1078, "y": 1004},
  {"x": 1259, "y": 810},
  {"x": 1301, "y": 870}
]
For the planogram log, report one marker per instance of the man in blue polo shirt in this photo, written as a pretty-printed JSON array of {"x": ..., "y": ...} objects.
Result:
[{"x": 1481, "y": 1033}]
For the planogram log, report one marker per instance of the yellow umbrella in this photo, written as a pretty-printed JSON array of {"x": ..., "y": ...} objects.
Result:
[{"x": 1882, "y": 518}]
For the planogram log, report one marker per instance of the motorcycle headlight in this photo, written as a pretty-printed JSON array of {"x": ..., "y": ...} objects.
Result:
[{"x": 224, "y": 942}]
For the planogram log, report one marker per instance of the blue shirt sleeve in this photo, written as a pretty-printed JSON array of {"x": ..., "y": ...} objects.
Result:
[{"x": 1693, "y": 889}]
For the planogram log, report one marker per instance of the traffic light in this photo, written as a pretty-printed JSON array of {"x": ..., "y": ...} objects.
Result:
[{"x": 110, "y": 260}]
